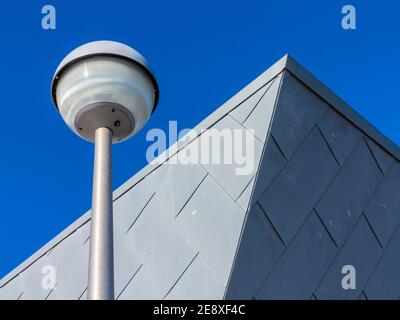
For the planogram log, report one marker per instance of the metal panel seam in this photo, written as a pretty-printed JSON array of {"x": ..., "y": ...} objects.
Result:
[{"x": 254, "y": 186}]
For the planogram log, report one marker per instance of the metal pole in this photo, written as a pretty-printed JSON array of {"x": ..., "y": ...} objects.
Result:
[{"x": 101, "y": 260}]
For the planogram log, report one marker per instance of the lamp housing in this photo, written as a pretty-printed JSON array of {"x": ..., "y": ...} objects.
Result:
[{"x": 104, "y": 84}]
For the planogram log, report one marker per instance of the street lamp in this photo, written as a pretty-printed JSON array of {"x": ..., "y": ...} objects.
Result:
[{"x": 105, "y": 93}]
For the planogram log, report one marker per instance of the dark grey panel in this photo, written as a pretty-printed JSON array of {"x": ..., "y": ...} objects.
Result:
[
  {"x": 271, "y": 163},
  {"x": 303, "y": 181},
  {"x": 362, "y": 250},
  {"x": 339, "y": 133},
  {"x": 297, "y": 111},
  {"x": 303, "y": 264},
  {"x": 383, "y": 211},
  {"x": 362, "y": 296},
  {"x": 384, "y": 282},
  {"x": 347, "y": 196},
  {"x": 382, "y": 157},
  {"x": 259, "y": 249}
]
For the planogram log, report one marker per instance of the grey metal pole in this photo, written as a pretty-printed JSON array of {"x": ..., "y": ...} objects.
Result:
[{"x": 101, "y": 260}]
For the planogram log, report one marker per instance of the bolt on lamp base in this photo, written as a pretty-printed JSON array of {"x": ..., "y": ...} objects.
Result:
[{"x": 101, "y": 258}]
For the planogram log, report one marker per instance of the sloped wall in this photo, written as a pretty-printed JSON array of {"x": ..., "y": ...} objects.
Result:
[
  {"x": 326, "y": 196},
  {"x": 176, "y": 230}
]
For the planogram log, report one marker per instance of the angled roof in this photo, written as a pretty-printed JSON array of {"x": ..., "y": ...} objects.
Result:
[
  {"x": 326, "y": 197},
  {"x": 323, "y": 194}
]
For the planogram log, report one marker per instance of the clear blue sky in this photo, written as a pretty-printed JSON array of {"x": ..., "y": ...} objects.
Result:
[{"x": 202, "y": 52}]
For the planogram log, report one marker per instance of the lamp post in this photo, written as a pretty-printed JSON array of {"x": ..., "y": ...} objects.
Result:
[{"x": 105, "y": 93}]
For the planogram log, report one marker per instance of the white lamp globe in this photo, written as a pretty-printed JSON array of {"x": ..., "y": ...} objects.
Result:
[{"x": 104, "y": 84}]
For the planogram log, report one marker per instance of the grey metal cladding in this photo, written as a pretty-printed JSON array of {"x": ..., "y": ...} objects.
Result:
[
  {"x": 233, "y": 178},
  {"x": 339, "y": 133},
  {"x": 362, "y": 296},
  {"x": 70, "y": 262},
  {"x": 384, "y": 282},
  {"x": 362, "y": 251},
  {"x": 127, "y": 208},
  {"x": 259, "y": 249},
  {"x": 172, "y": 185},
  {"x": 244, "y": 198},
  {"x": 383, "y": 211},
  {"x": 271, "y": 163},
  {"x": 164, "y": 252},
  {"x": 303, "y": 181},
  {"x": 31, "y": 281},
  {"x": 143, "y": 286},
  {"x": 83, "y": 295},
  {"x": 384, "y": 159},
  {"x": 129, "y": 205},
  {"x": 126, "y": 262},
  {"x": 260, "y": 118},
  {"x": 243, "y": 110},
  {"x": 347, "y": 196},
  {"x": 198, "y": 283},
  {"x": 297, "y": 111},
  {"x": 298, "y": 272},
  {"x": 165, "y": 192},
  {"x": 212, "y": 221},
  {"x": 12, "y": 290}
]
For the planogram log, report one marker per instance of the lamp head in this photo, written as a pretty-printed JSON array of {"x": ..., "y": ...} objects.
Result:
[{"x": 104, "y": 84}]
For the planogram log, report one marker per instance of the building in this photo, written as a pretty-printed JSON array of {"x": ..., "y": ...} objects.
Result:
[{"x": 321, "y": 204}]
